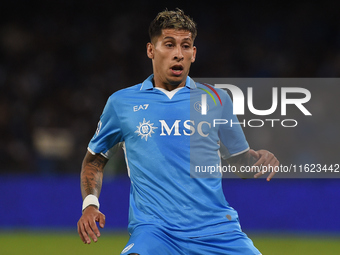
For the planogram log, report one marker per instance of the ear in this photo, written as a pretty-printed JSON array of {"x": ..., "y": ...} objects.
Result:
[
  {"x": 193, "y": 58},
  {"x": 150, "y": 50}
]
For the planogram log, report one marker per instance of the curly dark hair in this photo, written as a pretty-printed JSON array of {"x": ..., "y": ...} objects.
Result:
[{"x": 172, "y": 19}]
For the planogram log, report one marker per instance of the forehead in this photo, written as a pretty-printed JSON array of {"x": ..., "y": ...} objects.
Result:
[{"x": 176, "y": 34}]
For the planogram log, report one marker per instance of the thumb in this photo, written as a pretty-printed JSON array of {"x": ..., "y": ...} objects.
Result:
[
  {"x": 102, "y": 220},
  {"x": 254, "y": 154}
]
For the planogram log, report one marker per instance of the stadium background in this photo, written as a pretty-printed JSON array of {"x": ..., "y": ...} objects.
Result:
[{"x": 60, "y": 60}]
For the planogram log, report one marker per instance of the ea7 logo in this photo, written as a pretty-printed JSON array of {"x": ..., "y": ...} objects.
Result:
[{"x": 140, "y": 107}]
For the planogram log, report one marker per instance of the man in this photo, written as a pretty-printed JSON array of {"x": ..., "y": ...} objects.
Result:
[{"x": 174, "y": 209}]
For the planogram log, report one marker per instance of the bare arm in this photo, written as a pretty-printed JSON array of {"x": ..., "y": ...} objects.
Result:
[
  {"x": 92, "y": 174},
  {"x": 254, "y": 158},
  {"x": 91, "y": 183}
]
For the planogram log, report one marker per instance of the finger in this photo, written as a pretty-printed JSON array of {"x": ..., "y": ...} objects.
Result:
[
  {"x": 261, "y": 160},
  {"x": 254, "y": 153},
  {"x": 263, "y": 168},
  {"x": 80, "y": 232},
  {"x": 266, "y": 159},
  {"x": 94, "y": 232},
  {"x": 261, "y": 171},
  {"x": 270, "y": 167},
  {"x": 257, "y": 175},
  {"x": 102, "y": 220},
  {"x": 270, "y": 176},
  {"x": 84, "y": 233},
  {"x": 275, "y": 164}
]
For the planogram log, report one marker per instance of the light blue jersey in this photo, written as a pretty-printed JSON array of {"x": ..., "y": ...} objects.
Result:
[{"x": 167, "y": 143}]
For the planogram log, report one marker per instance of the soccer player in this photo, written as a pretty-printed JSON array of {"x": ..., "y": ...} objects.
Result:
[{"x": 174, "y": 209}]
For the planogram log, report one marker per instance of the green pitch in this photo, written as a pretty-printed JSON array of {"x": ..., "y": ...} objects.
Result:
[{"x": 36, "y": 243}]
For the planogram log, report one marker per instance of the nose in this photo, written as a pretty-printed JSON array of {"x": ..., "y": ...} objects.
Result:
[{"x": 178, "y": 53}]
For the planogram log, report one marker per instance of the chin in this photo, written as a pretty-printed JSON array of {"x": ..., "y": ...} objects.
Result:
[{"x": 175, "y": 81}]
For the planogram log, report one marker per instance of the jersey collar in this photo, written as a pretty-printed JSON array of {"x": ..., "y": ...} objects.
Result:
[{"x": 147, "y": 84}]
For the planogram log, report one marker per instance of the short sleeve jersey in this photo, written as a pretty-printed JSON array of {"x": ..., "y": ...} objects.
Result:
[{"x": 168, "y": 145}]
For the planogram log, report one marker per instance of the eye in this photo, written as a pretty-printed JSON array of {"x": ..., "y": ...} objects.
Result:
[
  {"x": 169, "y": 45},
  {"x": 186, "y": 46}
]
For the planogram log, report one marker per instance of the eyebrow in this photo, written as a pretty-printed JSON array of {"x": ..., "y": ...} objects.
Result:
[{"x": 172, "y": 38}]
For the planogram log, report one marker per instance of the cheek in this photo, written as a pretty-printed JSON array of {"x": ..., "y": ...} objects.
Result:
[
  {"x": 161, "y": 63},
  {"x": 160, "y": 57},
  {"x": 190, "y": 59}
]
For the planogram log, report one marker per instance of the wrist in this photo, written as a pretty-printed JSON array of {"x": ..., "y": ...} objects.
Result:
[{"x": 90, "y": 200}]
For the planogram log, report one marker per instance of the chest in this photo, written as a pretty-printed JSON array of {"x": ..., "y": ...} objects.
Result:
[{"x": 156, "y": 116}]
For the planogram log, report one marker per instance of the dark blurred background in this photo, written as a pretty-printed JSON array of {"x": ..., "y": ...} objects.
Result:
[{"x": 61, "y": 60}]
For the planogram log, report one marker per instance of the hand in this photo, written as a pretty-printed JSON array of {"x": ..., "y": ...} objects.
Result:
[
  {"x": 267, "y": 159},
  {"x": 87, "y": 226}
]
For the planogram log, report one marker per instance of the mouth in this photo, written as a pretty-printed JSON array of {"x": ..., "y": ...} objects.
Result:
[{"x": 177, "y": 70}]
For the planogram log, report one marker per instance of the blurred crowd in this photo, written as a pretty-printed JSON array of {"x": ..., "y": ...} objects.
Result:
[{"x": 59, "y": 62}]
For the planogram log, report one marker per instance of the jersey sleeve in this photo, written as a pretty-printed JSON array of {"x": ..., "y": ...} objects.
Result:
[
  {"x": 233, "y": 140},
  {"x": 108, "y": 132}
]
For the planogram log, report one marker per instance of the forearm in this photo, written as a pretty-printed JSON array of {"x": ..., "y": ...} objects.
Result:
[
  {"x": 91, "y": 183},
  {"x": 92, "y": 174}
]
